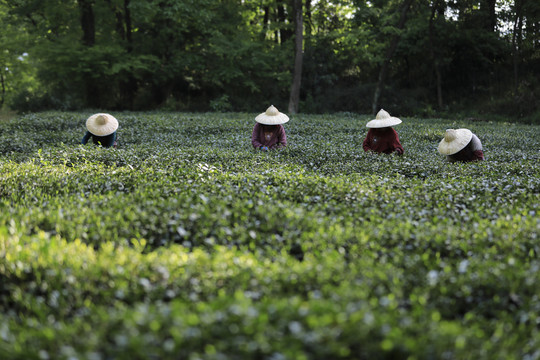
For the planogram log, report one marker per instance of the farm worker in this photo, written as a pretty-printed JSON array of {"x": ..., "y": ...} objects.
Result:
[
  {"x": 381, "y": 137},
  {"x": 102, "y": 129},
  {"x": 461, "y": 145},
  {"x": 268, "y": 132}
]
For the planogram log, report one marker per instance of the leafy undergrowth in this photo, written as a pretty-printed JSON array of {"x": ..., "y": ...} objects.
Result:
[{"x": 184, "y": 243}]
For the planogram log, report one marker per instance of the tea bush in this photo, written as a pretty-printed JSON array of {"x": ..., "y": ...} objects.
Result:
[{"x": 185, "y": 243}]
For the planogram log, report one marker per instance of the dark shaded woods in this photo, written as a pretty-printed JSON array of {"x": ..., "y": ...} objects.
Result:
[{"x": 412, "y": 57}]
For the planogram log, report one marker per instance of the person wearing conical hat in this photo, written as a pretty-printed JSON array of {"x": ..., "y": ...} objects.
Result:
[
  {"x": 461, "y": 145},
  {"x": 102, "y": 129},
  {"x": 269, "y": 133},
  {"x": 381, "y": 137}
]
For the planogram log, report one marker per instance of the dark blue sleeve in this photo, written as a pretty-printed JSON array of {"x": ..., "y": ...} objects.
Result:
[
  {"x": 107, "y": 141},
  {"x": 112, "y": 139},
  {"x": 86, "y": 137}
]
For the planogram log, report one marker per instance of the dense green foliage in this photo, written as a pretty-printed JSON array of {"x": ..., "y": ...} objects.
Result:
[
  {"x": 223, "y": 55},
  {"x": 185, "y": 243}
]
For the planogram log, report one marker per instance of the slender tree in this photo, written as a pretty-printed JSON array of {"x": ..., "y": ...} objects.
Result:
[
  {"x": 87, "y": 22},
  {"x": 2, "y": 98},
  {"x": 308, "y": 20},
  {"x": 285, "y": 33},
  {"x": 298, "y": 57},
  {"x": 517, "y": 40},
  {"x": 433, "y": 55},
  {"x": 88, "y": 27},
  {"x": 490, "y": 14}
]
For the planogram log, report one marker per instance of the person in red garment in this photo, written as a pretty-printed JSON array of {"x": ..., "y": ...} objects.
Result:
[
  {"x": 461, "y": 145},
  {"x": 269, "y": 133},
  {"x": 381, "y": 137}
]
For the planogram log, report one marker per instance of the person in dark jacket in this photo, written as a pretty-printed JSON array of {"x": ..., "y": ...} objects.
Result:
[
  {"x": 461, "y": 145},
  {"x": 101, "y": 128},
  {"x": 381, "y": 137},
  {"x": 269, "y": 133}
]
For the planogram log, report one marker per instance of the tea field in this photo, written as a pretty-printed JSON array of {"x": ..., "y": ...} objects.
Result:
[{"x": 185, "y": 243}]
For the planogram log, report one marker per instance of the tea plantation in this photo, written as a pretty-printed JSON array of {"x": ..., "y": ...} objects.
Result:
[{"x": 185, "y": 243}]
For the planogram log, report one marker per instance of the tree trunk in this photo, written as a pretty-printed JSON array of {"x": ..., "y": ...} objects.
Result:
[
  {"x": 516, "y": 41},
  {"x": 434, "y": 56},
  {"x": 308, "y": 17},
  {"x": 127, "y": 18},
  {"x": 128, "y": 87},
  {"x": 87, "y": 22},
  {"x": 2, "y": 81},
  {"x": 298, "y": 44},
  {"x": 266, "y": 19},
  {"x": 89, "y": 39},
  {"x": 308, "y": 26},
  {"x": 284, "y": 33},
  {"x": 388, "y": 56},
  {"x": 490, "y": 14},
  {"x": 119, "y": 20}
]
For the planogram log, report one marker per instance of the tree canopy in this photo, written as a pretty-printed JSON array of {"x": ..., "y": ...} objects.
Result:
[{"x": 423, "y": 56}]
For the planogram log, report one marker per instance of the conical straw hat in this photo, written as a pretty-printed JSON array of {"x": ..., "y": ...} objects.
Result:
[
  {"x": 382, "y": 120},
  {"x": 101, "y": 124},
  {"x": 272, "y": 117},
  {"x": 454, "y": 141}
]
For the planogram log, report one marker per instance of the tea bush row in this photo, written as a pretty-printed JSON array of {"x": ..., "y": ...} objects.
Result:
[
  {"x": 186, "y": 243},
  {"x": 76, "y": 301}
]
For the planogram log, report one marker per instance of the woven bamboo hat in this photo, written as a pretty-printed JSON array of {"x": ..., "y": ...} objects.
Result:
[
  {"x": 454, "y": 141},
  {"x": 382, "y": 120},
  {"x": 101, "y": 124},
  {"x": 271, "y": 117}
]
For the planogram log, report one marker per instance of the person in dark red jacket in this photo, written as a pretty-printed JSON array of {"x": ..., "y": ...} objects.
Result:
[
  {"x": 461, "y": 145},
  {"x": 269, "y": 133},
  {"x": 381, "y": 137}
]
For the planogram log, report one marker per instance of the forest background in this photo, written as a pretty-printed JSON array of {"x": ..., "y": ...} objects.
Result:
[{"x": 411, "y": 57}]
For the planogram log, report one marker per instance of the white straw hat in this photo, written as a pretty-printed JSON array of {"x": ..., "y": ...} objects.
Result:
[
  {"x": 454, "y": 141},
  {"x": 272, "y": 117},
  {"x": 101, "y": 124},
  {"x": 382, "y": 120}
]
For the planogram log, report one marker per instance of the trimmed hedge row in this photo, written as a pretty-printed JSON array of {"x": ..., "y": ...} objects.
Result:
[{"x": 186, "y": 243}]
